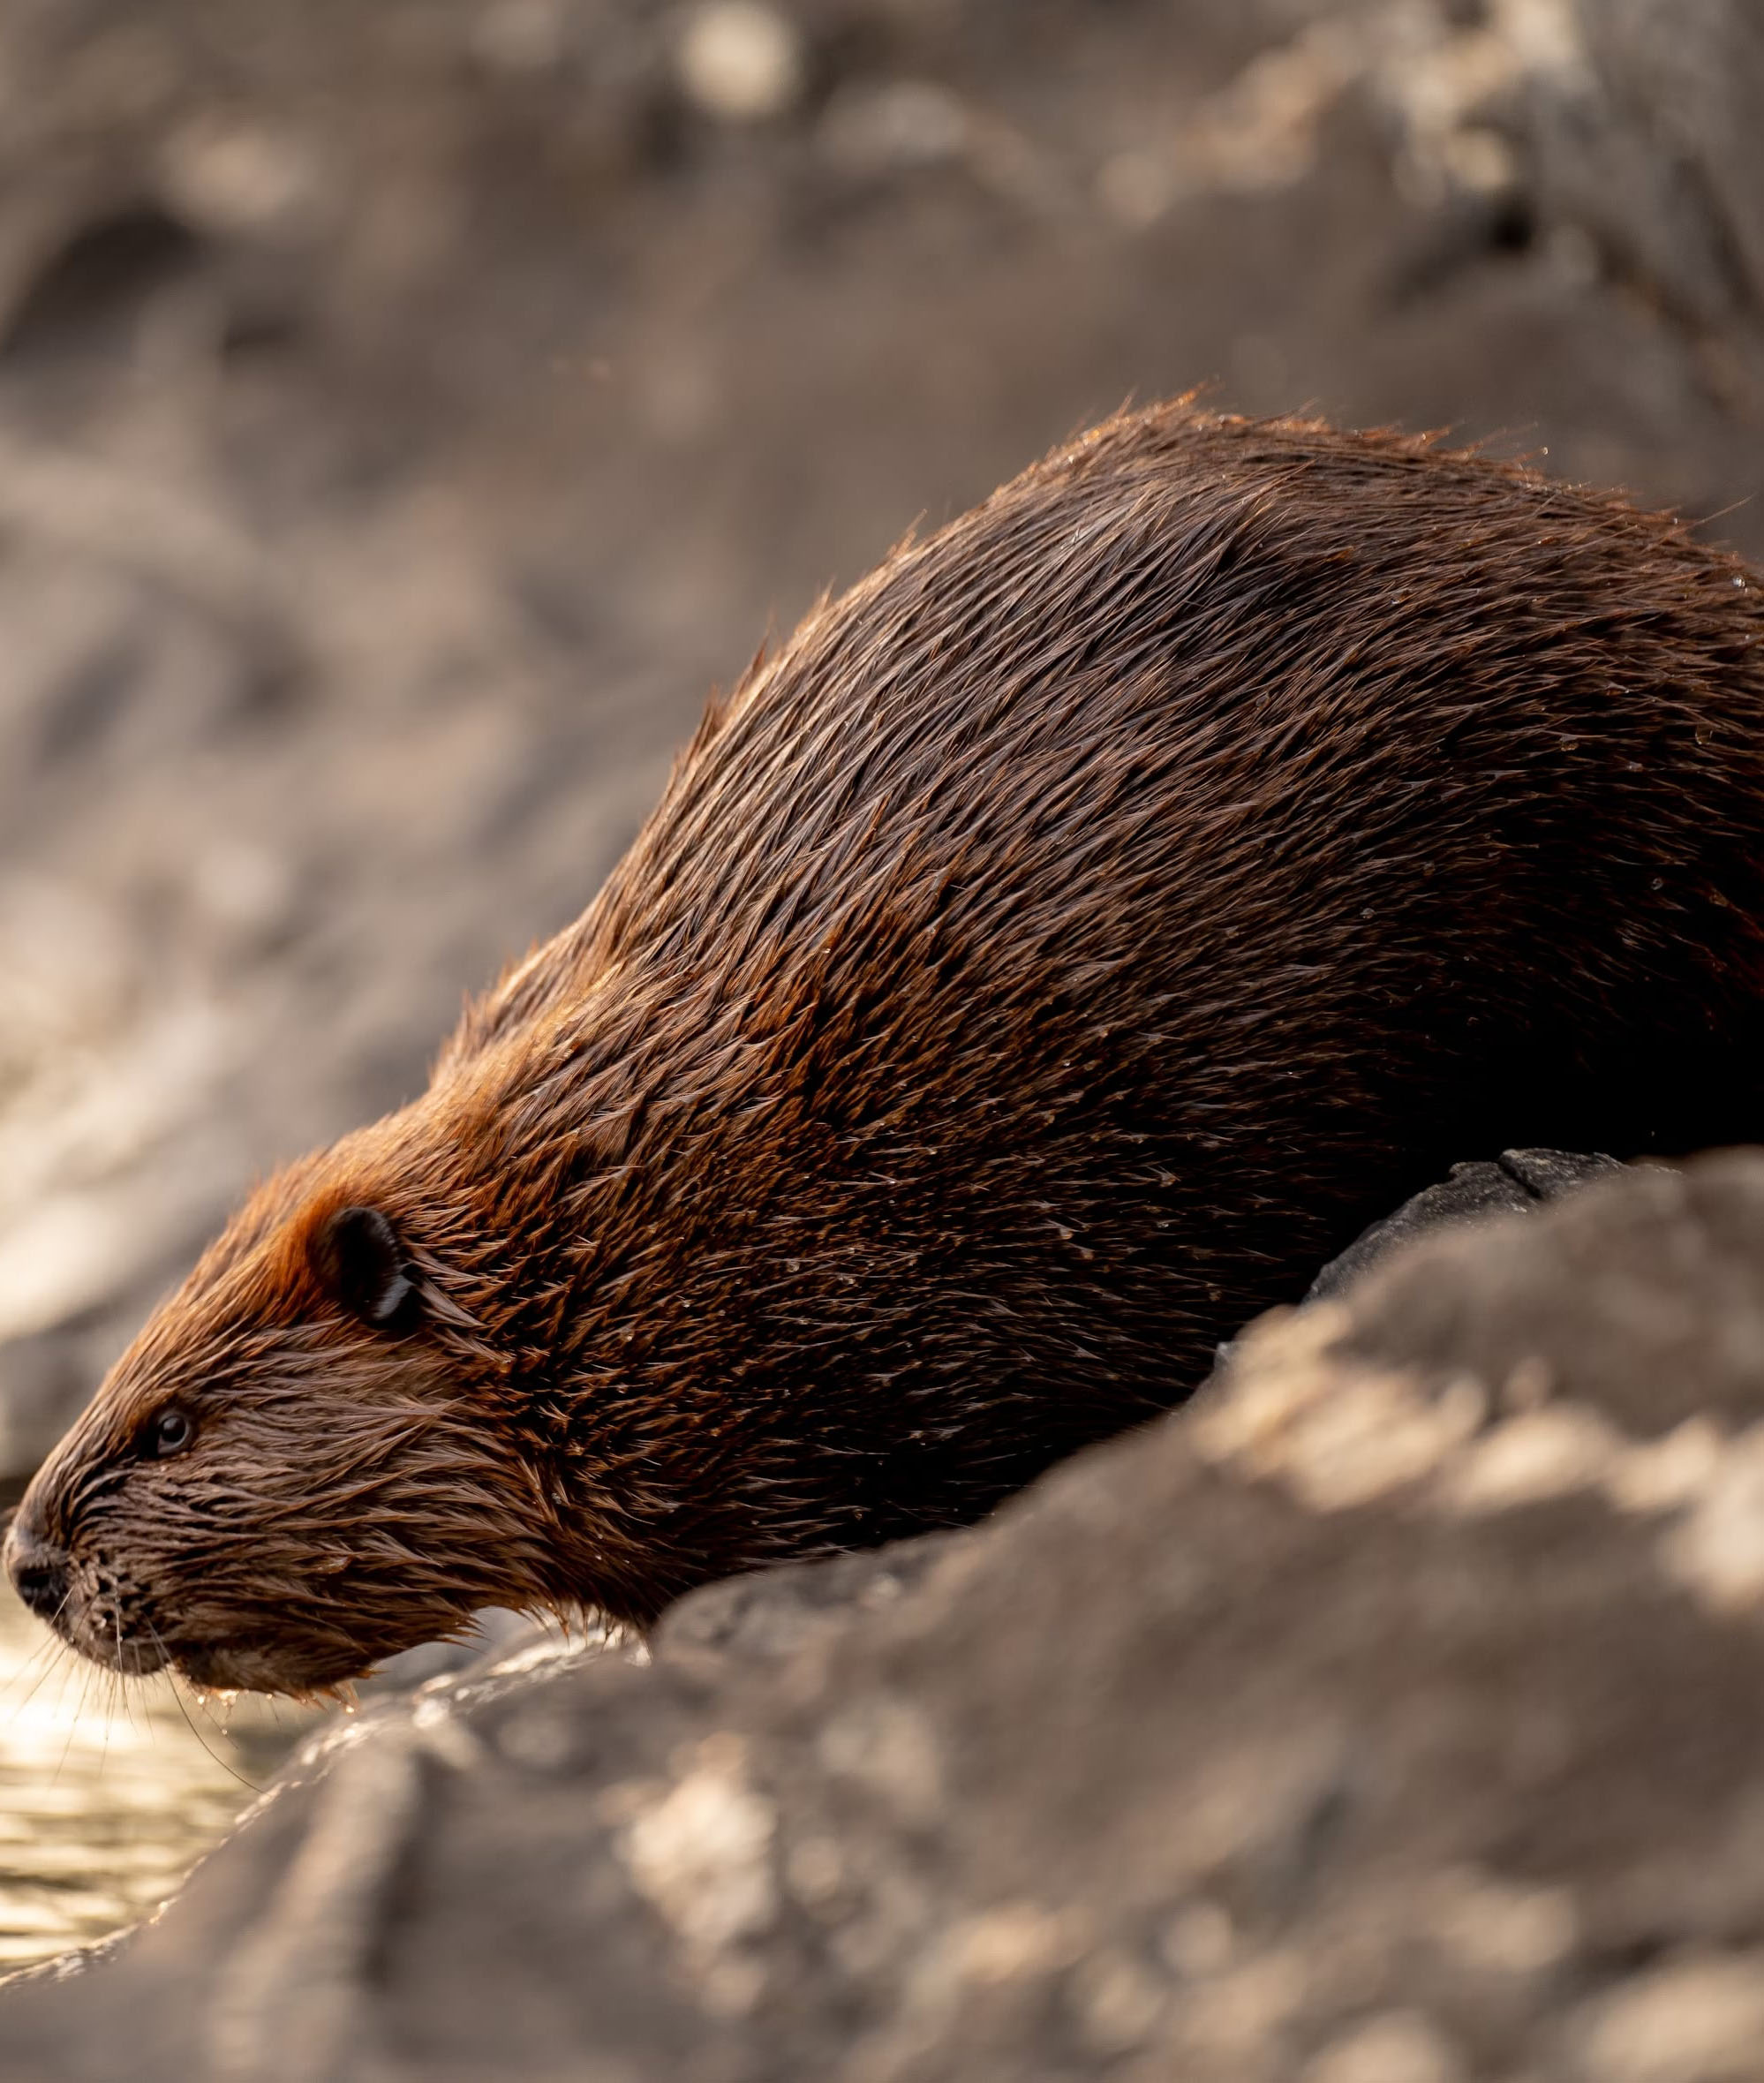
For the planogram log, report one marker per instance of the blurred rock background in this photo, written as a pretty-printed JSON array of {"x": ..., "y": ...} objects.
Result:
[{"x": 408, "y": 412}]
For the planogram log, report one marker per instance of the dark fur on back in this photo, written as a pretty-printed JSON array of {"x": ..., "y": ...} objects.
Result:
[{"x": 1068, "y": 939}]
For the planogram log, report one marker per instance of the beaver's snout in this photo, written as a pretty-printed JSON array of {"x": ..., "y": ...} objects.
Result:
[
  {"x": 41, "y": 1574},
  {"x": 83, "y": 1599}
]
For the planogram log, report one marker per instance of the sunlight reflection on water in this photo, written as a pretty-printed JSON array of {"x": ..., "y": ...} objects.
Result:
[{"x": 108, "y": 1792}]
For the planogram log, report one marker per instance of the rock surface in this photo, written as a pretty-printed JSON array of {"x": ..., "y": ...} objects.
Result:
[
  {"x": 1517, "y": 1183},
  {"x": 1390, "y": 1714}
]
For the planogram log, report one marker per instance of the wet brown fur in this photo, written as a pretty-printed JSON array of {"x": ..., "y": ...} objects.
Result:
[{"x": 1067, "y": 941}]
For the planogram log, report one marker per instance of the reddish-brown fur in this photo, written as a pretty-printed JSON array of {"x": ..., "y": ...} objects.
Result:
[{"x": 1077, "y": 932}]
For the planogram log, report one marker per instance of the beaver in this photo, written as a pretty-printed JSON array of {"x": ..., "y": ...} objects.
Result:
[{"x": 1068, "y": 938}]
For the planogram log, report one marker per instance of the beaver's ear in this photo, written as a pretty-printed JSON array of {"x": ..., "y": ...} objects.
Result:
[{"x": 361, "y": 1265}]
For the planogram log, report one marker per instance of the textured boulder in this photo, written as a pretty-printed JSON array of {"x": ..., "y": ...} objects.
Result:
[
  {"x": 1517, "y": 1183},
  {"x": 1391, "y": 1716}
]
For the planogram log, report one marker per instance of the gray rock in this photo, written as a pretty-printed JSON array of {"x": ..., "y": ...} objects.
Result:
[{"x": 1515, "y": 1183}]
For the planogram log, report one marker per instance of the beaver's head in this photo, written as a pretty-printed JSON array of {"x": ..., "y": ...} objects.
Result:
[{"x": 294, "y": 1470}]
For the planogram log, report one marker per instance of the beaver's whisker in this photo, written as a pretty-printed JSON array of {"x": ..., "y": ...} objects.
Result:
[
  {"x": 175, "y": 1678},
  {"x": 87, "y": 1673},
  {"x": 52, "y": 1654}
]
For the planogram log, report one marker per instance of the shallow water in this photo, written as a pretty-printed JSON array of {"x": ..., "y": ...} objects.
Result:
[{"x": 109, "y": 1791}]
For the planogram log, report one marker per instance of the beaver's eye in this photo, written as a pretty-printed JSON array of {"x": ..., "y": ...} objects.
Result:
[
  {"x": 357, "y": 1255},
  {"x": 171, "y": 1431}
]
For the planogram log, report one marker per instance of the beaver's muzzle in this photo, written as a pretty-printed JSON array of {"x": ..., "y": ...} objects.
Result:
[{"x": 41, "y": 1574}]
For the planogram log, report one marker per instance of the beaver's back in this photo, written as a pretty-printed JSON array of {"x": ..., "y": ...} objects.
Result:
[{"x": 1199, "y": 643}]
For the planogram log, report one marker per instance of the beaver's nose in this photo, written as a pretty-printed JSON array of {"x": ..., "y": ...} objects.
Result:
[{"x": 38, "y": 1571}]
